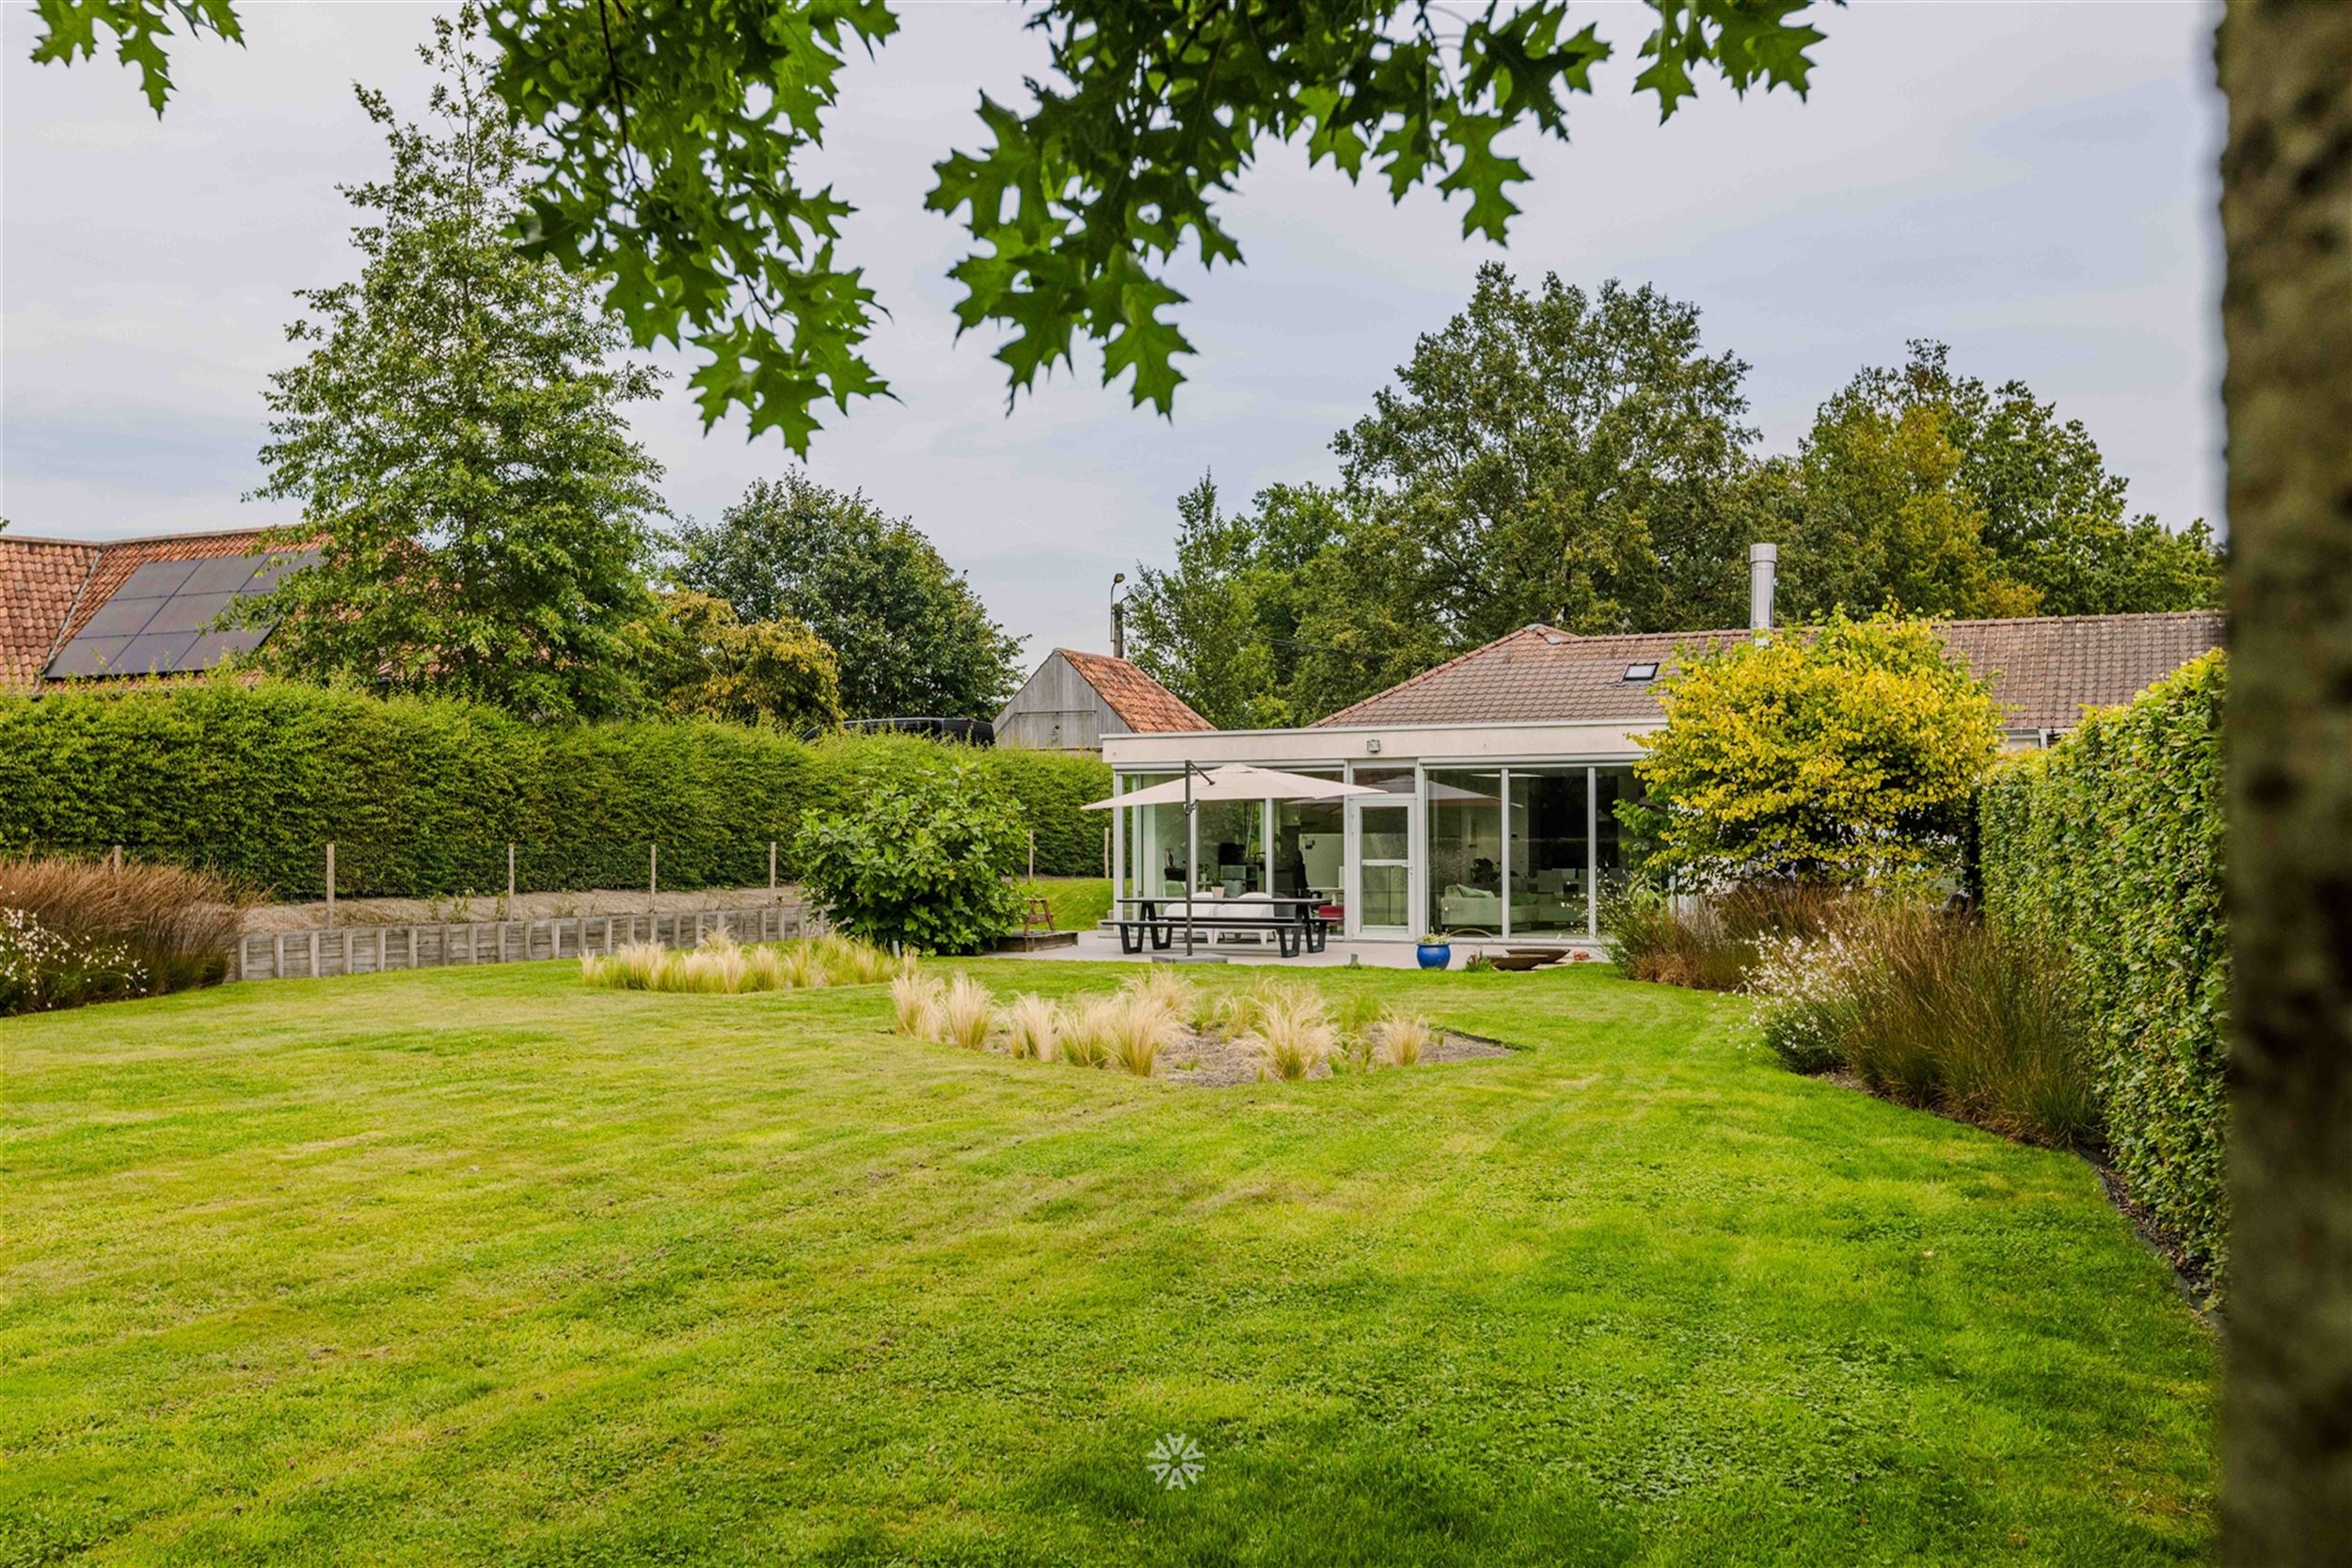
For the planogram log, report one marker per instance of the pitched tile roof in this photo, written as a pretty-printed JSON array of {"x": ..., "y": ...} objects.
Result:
[
  {"x": 1141, "y": 702},
  {"x": 40, "y": 581},
  {"x": 2044, "y": 670},
  {"x": 49, "y": 587}
]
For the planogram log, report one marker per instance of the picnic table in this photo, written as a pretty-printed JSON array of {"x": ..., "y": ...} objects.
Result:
[{"x": 1296, "y": 923}]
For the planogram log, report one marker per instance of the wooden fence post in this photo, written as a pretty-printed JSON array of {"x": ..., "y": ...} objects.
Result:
[
  {"x": 771, "y": 866},
  {"x": 331, "y": 884},
  {"x": 114, "y": 860},
  {"x": 653, "y": 875},
  {"x": 1033, "y": 854},
  {"x": 510, "y": 874}
]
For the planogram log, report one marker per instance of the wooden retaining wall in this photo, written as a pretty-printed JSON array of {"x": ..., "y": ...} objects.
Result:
[{"x": 372, "y": 949}]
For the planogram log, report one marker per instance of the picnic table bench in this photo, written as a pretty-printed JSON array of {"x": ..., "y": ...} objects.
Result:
[{"x": 1295, "y": 924}]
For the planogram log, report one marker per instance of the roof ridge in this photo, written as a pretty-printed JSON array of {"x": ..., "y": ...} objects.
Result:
[
  {"x": 1125, "y": 667},
  {"x": 1412, "y": 681}
]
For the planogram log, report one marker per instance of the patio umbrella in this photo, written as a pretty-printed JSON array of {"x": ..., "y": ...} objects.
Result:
[{"x": 1236, "y": 781}]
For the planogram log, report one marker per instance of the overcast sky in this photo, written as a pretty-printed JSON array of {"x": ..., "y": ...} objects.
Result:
[{"x": 2031, "y": 183}]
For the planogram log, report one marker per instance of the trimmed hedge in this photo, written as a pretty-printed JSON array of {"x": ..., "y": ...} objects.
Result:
[
  {"x": 421, "y": 796},
  {"x": 2110, "y": 843}
]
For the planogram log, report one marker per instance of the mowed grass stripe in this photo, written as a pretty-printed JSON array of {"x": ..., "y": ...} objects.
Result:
[{"x": 483, "y": 1265}]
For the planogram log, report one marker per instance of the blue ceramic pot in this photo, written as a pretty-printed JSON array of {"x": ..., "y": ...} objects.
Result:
[{"x": 1435, "y": 955}]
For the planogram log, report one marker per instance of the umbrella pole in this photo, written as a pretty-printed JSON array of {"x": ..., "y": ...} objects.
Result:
[{"x": 1192, "y": 857}]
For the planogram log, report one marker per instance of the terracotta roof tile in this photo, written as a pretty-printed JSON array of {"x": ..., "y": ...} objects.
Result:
[
  {"x": 1141, "y": 702},
  {"x": 2044, "y": 670},
  {"x": 40, "y": 581}
]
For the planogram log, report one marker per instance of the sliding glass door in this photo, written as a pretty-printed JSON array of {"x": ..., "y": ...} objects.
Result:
[{"x": 1380, "y": 837}]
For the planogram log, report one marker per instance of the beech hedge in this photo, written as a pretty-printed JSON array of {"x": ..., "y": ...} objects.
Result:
[
  {"x": 421, "y": 796},
  {"x": 2110, "y": 843}
]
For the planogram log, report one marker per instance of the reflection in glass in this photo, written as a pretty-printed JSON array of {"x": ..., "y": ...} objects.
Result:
[
  {"x": 1549, "y": 851},
  {"x": 1233, "y": 846},
  {"x": 1309, "y": 838},
  {"x": 1386, "y": 896},
  {"x": 1466, "y": 850}
]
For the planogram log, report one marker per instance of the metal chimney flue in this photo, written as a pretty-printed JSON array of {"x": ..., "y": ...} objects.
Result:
[{"x": 1763, "y": 564}]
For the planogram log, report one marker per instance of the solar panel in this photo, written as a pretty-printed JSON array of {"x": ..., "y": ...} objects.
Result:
[
  {"x": 157, "y": 579},
  {"x": 222, "y": 575},
  {"x": 161, "y": 621},
  {"x": 121, "y": 617},
  {"x": 190, "y": 612}
]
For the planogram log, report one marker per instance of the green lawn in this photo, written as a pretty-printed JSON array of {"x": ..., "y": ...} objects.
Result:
[
  {"x": 478, "y": 1265},
  {"x": 1079, "y": 902}
]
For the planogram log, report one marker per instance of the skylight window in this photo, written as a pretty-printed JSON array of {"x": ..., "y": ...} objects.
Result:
[{"x": 1641, "y": 672}]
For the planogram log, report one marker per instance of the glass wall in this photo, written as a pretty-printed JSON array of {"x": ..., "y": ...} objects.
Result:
[
  {"x": 1466, "y": 849},
  {"x": 1384, "y": 850},
  {"x": 1550, "y": 850},
  {"x": 1522, "y": 850},
  {"x": 1308, "y": 839},
  {"x": 1233, "y": 846},
  {"x": 1612, "y": 857},
  {"x": 1155, "y": 864}
]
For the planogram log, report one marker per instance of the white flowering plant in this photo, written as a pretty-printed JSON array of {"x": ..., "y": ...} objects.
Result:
[
  {"x": 41, "y": 969},
  {"x": 1805, "y": 990}
]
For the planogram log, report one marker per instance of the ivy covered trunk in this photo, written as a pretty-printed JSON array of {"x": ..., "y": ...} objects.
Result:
[{"x": 2286, "y": 209}]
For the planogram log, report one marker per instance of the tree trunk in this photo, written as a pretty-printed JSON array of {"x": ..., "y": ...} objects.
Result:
[{"x": 2286, "y": 214}]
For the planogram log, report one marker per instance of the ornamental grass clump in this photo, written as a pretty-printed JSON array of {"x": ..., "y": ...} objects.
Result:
[
  {"x": 917, "y": 1001},
  {"x": 1031, "y": 1025},
  {"x": 1294, "y": 1033},
  {"x": 1090, "y": 1029},
  {"x": 1937, "y": 1010},
  {"x": 1404, "y": 1039},
  {"x": 965, "y": 1012},
  {"x": 1142, "y": 1025},
  {"x": 75, "y": 931},
  {"x": 721, "y": 966}
]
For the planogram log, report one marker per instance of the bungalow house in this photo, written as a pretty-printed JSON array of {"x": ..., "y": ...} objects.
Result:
[
  {"x": 89, "y": 610},
  {"x": 1075, "y": 701},
  {"x": 1498, "y": 770}
]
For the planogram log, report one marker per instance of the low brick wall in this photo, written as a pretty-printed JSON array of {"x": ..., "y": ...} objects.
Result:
[{"x": 373, "y": 949}]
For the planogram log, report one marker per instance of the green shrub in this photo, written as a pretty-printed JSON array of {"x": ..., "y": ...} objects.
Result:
[
  {"x": 923, "y": 863},
  {"x": 2109, "y": 845},
  {"x": 421, "y": 796}
]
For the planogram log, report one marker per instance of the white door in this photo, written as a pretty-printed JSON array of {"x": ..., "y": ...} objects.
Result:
[{"x": 1380, "y": 839}]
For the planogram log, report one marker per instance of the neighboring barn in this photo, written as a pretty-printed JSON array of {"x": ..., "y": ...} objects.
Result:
[
  {"x": 83, "y": 609},
  {"x": 1075, "y": 699}
]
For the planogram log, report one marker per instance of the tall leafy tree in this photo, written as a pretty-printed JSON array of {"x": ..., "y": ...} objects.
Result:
[
  {"x": 1924, "y": 488},
  {"x": 673, "y": 137},
  {"x": 1882, "y": 519},
  {"x": 1556, "y": 456},
  {"x": 912, "y": 636},
  {"x": 1221, "y": 628},
  {"x": 702, "y": 661},
  {"x": 1195, "y": 628},
  {"x": 455, "y": 438}
]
